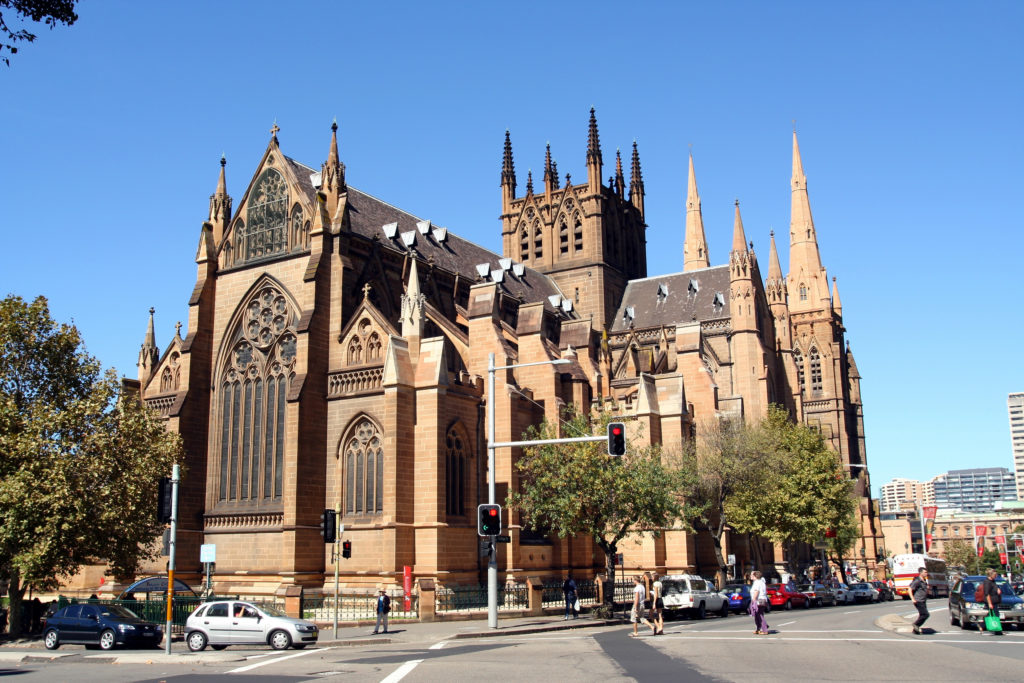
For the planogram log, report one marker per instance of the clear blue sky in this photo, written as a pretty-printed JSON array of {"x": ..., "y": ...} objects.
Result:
[{"x": 909, "y": 116}]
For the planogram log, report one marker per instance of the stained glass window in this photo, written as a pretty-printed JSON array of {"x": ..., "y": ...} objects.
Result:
[
  {"x": 364, "y": 470},
  {"x": 816, "y": 384},
  {"x": 455, "y": 472},
  {"x": 798, "y": 358},
  {"x": 264, "y": 232}
]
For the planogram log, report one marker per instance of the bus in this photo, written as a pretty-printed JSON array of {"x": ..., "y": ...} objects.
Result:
[{"x": 905, "y": 568}]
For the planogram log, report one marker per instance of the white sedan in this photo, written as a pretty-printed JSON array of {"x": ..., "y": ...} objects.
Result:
[{"x": 863, "y": 592}]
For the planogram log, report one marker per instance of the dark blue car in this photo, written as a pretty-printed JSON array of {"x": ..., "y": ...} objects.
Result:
[
  {"x": 102, "y": 626},
  {"x": 739, "y": 596}
]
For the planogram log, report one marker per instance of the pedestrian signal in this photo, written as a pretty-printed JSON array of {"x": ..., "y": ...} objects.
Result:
[
  {"x": 346, "y": 549},
  {"x": 329, "y": 526}
]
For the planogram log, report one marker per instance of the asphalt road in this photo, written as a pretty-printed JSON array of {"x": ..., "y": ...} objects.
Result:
[{"x": 832, "y": 644}]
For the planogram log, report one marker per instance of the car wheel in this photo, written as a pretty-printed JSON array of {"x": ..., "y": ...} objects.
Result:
[
  {"x": 724, "y": 612},
  {"x": 108, "y": 640},
  {"x": 196, "y": 641},
  {"x": 788, "y": 605},
  {"x": 807, "y": 604},
  {"x": 218, "y": 647},
  {"x": 965, "y": 624},
  {"x": 51, "y": 640},
  {"x": 953, "y": 621},
  {"x": 280, "y": 640}
]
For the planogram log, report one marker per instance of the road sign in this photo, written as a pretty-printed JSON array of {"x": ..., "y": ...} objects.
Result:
[
  {"x": 208, "y": 552},
  {"x": 503, "y": 539},
  {"x": 731, "y": 560}
]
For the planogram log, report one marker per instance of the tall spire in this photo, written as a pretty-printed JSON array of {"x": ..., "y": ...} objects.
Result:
[
  {"x": 695, "y": 245},
  {"x": 412, "y": 304},
  {"x": 529, "y": 182},
  {"x": 508, "y": 176},
  {"x": 774, "y": 267},
  {"x": 220, "y": 206},
  {"x": 806, "y": 276},
  {"x": 555, "y": 182},
  {"x": 636, "y": 182},
  {"x": 620, "y": 180},
  {"x": 549, "y": 182},
  {"x": 332, "y": 174},
  {"x": 594, "y": 162},
  {"x": 149, "y": 355},
  {"x": 739, "y": 238},
  {"x": 775, "y": 291}
]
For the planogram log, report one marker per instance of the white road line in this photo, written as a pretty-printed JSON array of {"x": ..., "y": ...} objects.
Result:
[
  {"x": 243, "y": 669},
  {"x": 401, "y": 672},
  {"x": 265, "y": 654},
  {"x": 438, "y": 646},
  {"x": 788, "y": 623},
  {"x": 856, "y": 611}
]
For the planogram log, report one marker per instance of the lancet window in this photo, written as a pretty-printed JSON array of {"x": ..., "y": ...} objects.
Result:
[
  {"x": 363, "y": 466},
  {"x": 563, "y": 237},
  {"x": 538, "y": 240},
  {"x": 798, "y": 359},
  {"x": 524, "y": 245},
  {"x": 816, "y": 384},
  {"x": 577, "y": 234},
  {"x": 253, "y": 388},
  {"x": 456, "y": 471}
]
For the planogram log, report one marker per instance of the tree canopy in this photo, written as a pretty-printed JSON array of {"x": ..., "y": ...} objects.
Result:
[
  {"x": 568, "y": 489},
  {"x": 50, "y": 12},
  {"x": 80, "y": 460}
]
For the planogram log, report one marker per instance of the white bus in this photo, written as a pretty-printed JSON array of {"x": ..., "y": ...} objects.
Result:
[{"x": 905, "y": 568}]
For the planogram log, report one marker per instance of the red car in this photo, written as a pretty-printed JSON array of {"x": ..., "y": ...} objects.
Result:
[{"x": 786, "y": 596}]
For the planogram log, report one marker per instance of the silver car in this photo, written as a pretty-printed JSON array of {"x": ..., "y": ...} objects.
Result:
[{"x": 235, "y": 622}]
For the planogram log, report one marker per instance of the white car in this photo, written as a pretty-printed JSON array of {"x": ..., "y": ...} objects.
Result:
[
  {"x": 843, "y": 594},
  {"x": 693, "y": 595},
  {"x": 234, "y": 622},
  {"x": 863, "y": 592}
]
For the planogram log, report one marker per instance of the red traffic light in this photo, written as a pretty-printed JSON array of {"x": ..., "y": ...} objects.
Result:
[
  {"x": 616, "y": 439},
  {"x": 488, "y": 520}
]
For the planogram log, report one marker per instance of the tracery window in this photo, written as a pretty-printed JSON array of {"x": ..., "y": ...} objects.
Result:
[
  {"x": 524, "y": 245},
  {"x": 254, "y": 386},
  {"x": 456, "y": 471},
  {"x": 364, "y": 469},
  {"x": 538, "y": 239},
  {"x": 577, "y": 234},
  {"x": 171, "y": 375},
  {"x": 803, "y": 292},
  {"x": 264, "y": 231},
  {"x": 300, "y": 230},
  {"x": 563, "y": 237},
  {"x": 798, "y": 358},
  {"x": 816, "y": 385}
]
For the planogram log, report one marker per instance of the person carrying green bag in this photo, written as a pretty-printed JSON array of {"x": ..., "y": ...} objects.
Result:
[{"x": 993, "y": 596}]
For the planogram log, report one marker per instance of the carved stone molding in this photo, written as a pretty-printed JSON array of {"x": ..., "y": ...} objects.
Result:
[{"x": 352, "y": 382}]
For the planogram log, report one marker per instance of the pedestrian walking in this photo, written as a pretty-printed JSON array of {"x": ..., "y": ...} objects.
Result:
[
  {"x": 919, "y": 594},
  {"x": 656, "y": 616},
  {"x": 993, "y": 596},
  {"x": 569, "y": 591},
  {"x": 383, "y": 608},
  {"x": 758, "y": 603},
  {"x": 639, "y": 596}
]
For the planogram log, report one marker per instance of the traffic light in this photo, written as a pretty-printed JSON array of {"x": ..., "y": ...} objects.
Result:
[
  {"x": 329, "y": 526},
  {"x": 488, "y": 520},
  {"x": 163, "y": 501},
  {"x": 346, "y": 549},
  {"x": 616, "y": 439}
]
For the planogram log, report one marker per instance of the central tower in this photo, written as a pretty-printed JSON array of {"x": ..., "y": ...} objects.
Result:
[{"x": 588, "y": 238}]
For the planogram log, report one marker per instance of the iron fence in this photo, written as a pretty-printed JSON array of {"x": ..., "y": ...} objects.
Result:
[
  {"x": 470, "y": 598},
  {"x": 586, "y": 592},
  {"x": 356, "y": 607}
]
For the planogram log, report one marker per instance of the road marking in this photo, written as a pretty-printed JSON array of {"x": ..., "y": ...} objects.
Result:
[
  {"x": 438, "y": 646},
  {"x": 923, "y": 641},
  {"x": 402, "y": 671},
  {"x": 856, "y": 611},
  {"x": 788, "y": 623},
  {"x": 265, "y": 654},
  {"x": 243, "y": 669}
]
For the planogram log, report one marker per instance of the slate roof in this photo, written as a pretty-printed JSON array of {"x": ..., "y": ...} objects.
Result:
[
  {"x": 368, "y": 215},
  {"x": 680, "y": 304}
]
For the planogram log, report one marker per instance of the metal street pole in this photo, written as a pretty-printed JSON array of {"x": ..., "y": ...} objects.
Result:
[
  {"x": 492, "y": 555},
  {"x": 175, "y": 475},
  {"x": 339, "y": 530}
]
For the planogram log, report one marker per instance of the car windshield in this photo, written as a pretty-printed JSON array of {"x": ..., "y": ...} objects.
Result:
[
  {"x": 271, "y": 611},
  {"x": 805, "y": 587},
  {"x": 117, "y": 611},
  {"x": 735, "y": 588}
]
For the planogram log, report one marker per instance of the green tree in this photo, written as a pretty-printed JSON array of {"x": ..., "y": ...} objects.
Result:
[
  {"x": 808, "y": 494},
  {"x": 79, "y": 460},
  {"x": 961, "y": 552},
  {"x": 50, "y": 12},
  {"x": 569, "y": 489},
  {"x": 726, "y": 461}
]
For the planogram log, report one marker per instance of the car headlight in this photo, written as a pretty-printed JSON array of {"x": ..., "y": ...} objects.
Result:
[
  {"x": 1019, "y": 606},
  {"x": 974, "y": 605},
  {"x": 305, "y": 628},
  {"x": 124, "y": 628}
]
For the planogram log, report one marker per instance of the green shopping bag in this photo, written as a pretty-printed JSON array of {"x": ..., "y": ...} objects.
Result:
[{"x": 992, "y": 622}]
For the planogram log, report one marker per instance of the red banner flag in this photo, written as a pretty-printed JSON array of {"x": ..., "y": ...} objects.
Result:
[
  {"x": 929, "y": 511},
  {"x": 1002, "y": 558},
  {"x": 407, "y": 587},
  {"x": 1020, "y": 544},
  {"x": 1000, "y": 540},
  {"x": 981, "y": 530}
]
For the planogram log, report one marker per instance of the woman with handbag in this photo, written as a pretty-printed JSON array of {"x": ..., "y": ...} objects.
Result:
[
  {"x": 993, "y": 596},
  {"x": 758, "y": 603}
]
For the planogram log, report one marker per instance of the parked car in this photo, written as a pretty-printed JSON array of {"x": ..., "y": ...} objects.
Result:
[
  {"x": 1018, "y": 587},
  {"x": 863, "y": 592},
  {"x": 786, "y": 596},
  {"x": 102, "y": 626},
  {"x": 818, "y": 593},
  {"x": 739, "y": 596},
  {"x": 843, "y": 594},
  {"x": 234, "y": 622},
  {"x": 963, "y": 610},
  {"x": 884, "y": 591},
  {"x": 684, "y": 593}
]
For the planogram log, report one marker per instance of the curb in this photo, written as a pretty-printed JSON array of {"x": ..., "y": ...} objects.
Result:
[{"x": 894, "y": 623}]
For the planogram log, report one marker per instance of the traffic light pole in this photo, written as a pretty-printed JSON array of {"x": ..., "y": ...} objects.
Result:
[
  {"x": 175, "y": 476},
  {"x": 337, "y": 565}
]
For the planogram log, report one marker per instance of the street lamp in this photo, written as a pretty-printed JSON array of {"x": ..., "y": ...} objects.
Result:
[{"x": 492, "y": 557}]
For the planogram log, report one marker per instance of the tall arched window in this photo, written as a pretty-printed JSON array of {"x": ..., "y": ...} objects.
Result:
[
  {"x": 456, "y": 471},
  {"x": 363, "y": 464},
  {"x": 798, "y": 358},
  {"x": 254, "y": 383},
  {"x": 577, "y": 233},
  {"x": 298, "y": 232},
  {"x": 563, "y": 237},
  {"x": 538, "y": 240},
  {"x": 264, "y": 232},
  {"x": 816, "y": 385},
  {"x": 803, "y": 292}
]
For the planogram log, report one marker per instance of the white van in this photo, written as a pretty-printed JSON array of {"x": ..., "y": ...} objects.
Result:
[{"x": 693, "y": 594}]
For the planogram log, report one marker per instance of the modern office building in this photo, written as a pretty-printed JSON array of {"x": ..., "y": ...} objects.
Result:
[
  {"x": 899, "y": 491},
  {"x": 974, "y": 490},
  {"x": 1015, "y": 404}
]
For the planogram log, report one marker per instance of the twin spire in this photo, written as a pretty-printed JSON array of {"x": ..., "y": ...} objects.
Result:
[{"x": 695, "y": 244}]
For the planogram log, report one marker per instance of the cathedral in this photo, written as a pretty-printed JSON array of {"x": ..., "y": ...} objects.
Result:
[{"x": 336, "y": 351}]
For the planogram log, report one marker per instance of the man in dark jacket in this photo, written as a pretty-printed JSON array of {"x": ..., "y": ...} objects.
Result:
[
  {"x": 919, "y": 594},
  {"x": 569, "y": 590},
  {"x": 993, "y": 596},
  {"x": 383, "y": 608}
]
